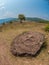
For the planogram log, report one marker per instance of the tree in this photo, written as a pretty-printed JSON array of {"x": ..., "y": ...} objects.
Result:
[{"x": 21, "y": 17}]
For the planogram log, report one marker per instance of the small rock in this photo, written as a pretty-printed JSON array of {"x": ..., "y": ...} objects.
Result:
[
  {"x": 48, "y": 51},
  {"x": 40, "y": 64}
]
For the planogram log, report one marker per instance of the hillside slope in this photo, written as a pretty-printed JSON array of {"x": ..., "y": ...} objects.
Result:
[{"x": 9, "y": 32}]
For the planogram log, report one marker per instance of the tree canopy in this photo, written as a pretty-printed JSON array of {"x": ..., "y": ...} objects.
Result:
[{"x": 21, "y": 17}]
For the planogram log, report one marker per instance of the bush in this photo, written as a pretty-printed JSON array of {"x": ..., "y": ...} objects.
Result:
[
  {"x": 1, "y": 28},
  {"x": 47, "y": 28},
  {"x": 3, "y": 23},
  {"x": 10, "y": 22}
]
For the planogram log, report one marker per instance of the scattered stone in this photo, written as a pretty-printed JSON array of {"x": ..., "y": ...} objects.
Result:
[
  {"x": 48, "y": 51},
  {"x": 27, "y": 43},
  {"x": 40, "y": 64}
]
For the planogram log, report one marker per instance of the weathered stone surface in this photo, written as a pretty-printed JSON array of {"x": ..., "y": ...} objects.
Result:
[{"x": 27, "y": 43}]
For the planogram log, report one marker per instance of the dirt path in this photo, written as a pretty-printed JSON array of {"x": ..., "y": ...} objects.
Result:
[{"x": 3, "y": 52}]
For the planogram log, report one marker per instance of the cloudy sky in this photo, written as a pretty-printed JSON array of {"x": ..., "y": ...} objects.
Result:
[{"x": 30, "y": 8}]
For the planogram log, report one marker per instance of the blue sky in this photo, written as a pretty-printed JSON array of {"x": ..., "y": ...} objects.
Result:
[{"x": 30, "y": 8}]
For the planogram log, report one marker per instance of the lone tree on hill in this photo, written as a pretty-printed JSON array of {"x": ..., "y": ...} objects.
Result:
[{"x": 21, "y": 17}]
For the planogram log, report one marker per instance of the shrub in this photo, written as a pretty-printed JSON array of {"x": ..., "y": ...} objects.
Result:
[
  {"x": 10, "y": 22},
  {"x": 3, "y": 23},
  {"x": 47, "y": 28},
  {"x": 1, "y": 28}
]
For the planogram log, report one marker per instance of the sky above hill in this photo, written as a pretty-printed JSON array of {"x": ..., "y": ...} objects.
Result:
[{"x": 30, "y": 8}]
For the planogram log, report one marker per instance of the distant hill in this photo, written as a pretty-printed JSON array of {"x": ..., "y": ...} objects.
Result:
[
  {"x": 37, "y": 20},
  {"x": 27, "y": 18},
  {"x": 7, "y": 20}
]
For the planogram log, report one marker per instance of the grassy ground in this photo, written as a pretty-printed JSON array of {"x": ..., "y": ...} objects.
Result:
[{"x": 9, "y": 31}]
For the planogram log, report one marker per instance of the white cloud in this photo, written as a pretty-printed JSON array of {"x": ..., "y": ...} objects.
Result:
[
  {"x": 2, "y": 6},
  {"x": 8, "y": 14}
]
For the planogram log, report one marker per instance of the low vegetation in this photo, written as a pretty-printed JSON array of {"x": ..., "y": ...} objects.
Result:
[
  {"x": 11, "y": 22},
  {"x": 47, "y": 28},
  {"x": 3, "y": 23}
]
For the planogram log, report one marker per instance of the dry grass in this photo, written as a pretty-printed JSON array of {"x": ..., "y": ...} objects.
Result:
[{"x": 9, "y": 31}]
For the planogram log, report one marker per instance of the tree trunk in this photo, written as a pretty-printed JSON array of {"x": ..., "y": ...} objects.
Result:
[{"x": 20, "y": 21}]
